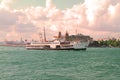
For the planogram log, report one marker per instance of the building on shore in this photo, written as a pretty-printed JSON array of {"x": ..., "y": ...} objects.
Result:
[{"x": 77, "y": 37}]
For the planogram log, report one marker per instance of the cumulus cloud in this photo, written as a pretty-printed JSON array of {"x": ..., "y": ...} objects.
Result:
[
  {"x": 103, "y": 16},
  {"x": 7, "y": 17},
  {"x": 95, "y": 18},
  {"x": 49, "y": 4},
  {"x": 13, "y": 34},
  {"x": 5, "y": 4}
]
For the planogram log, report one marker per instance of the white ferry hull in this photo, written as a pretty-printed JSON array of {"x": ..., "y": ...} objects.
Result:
[
  {"x": 57, "y": 46},
  {"x": 32, "y": 48}
]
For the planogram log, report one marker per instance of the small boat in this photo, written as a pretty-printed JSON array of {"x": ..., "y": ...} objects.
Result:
[
  {"x": 15, "y": 43},
  {"x": 57, "y": 45}
]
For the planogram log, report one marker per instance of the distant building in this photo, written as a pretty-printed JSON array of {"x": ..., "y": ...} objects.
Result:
[{"x": 78, "y": 37}]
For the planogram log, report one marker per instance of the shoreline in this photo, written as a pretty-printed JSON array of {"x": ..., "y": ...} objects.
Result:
[{"x": 8, "y": 45}]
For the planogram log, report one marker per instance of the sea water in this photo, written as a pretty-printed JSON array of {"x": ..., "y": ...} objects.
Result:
[{"x": 17, "y": 63}]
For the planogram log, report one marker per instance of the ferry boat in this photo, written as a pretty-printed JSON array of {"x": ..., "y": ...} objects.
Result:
[{"x": 57, "y": 44}]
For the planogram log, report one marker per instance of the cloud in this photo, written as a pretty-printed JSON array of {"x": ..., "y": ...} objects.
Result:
[
  {"x": 7, "y": 17},
  {"x": 114, "y": 2},
  {"x": 5, "y": 4},
  {"x": 95, "y": 18},
  {"x": 106, "y": 17},
  {"x": 13, "y": 34},
  {"x": 49, "y": 4},
  {"x": 28, "y": 28}
]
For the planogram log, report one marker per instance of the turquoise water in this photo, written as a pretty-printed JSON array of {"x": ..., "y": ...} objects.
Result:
[{"x": 17, "y": 63}]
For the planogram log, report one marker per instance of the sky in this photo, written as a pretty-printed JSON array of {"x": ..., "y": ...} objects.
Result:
[{"x": 27, "y": 18}]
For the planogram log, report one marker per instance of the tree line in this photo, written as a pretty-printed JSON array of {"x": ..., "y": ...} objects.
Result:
[{"x": 106, "y": 43}]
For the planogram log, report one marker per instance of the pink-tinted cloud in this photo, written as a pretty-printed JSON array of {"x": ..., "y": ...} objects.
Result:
[{"x": 97, "y": 18}]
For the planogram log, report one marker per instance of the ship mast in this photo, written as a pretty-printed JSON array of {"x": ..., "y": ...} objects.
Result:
[
  {"x": 44, "y": 35},
  {"x": 40, "y": 36}
]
